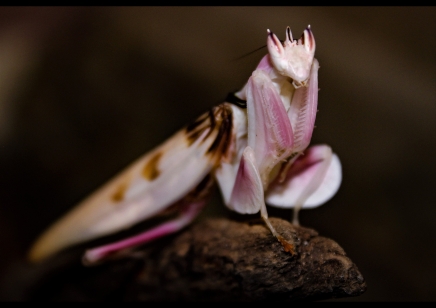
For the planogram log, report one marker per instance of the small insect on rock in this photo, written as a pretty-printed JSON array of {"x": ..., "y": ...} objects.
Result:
[{"x": 254, "y": 145}]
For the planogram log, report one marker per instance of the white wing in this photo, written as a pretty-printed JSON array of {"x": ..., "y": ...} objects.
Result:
[{"x": 148, "y": 186}]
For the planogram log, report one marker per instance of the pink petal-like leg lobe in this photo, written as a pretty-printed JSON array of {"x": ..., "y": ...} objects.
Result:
[
  {"x": 311, "y": 181},
  {"x": 247, "y": 195}
]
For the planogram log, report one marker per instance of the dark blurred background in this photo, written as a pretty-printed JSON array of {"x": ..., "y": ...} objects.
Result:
[{"x": 84, "y": 91}]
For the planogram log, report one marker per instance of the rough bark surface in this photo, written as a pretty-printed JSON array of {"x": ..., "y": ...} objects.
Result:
[{"x": 215, "y": 260}]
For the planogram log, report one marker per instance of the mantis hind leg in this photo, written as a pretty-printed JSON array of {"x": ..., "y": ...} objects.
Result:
[
  {"x": 187, "y": 214},
  {"x": 187, "y": 208}
]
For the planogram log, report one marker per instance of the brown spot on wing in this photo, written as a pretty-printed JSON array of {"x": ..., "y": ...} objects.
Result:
[
  {"x": 119, "y": 193},
  {"x": 196, "y": 129},
  {"x": 222, "y": 140},
  {"x": 218, "y": 123},
  {"x": 224, "y": 117},
  {"x": 151, "y": 170}
]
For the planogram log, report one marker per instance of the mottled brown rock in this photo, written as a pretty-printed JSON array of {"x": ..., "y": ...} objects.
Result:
[{"x": 217, "y": 260}]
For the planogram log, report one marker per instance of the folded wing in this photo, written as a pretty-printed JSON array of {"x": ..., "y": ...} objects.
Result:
[{"x": 148, "y": 186}]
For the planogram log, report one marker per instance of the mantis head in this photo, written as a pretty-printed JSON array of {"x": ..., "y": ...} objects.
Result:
[{"x": 293, "y": 58}]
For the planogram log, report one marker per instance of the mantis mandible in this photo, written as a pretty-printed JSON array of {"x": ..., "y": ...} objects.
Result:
[{"x": 254, "y": 145}]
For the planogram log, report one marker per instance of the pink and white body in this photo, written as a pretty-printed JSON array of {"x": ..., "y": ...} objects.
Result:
[{"x": 254, "y": 145}]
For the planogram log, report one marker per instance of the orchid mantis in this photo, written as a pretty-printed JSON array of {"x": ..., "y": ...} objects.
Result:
[{"x": 254, "y": 145}]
